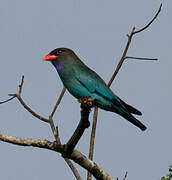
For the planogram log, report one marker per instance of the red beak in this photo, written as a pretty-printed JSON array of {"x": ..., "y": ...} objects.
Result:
[{"x": 49, "y": 57}]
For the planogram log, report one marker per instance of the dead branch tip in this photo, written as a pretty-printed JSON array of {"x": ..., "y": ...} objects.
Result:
[{"x": 153, "y": 19}]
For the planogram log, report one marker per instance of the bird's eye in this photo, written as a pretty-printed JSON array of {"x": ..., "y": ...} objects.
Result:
[{"x": 59, "y": 51}]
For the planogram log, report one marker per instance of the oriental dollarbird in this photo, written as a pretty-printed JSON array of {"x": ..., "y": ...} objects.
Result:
[{"x": 82, "y": 82}]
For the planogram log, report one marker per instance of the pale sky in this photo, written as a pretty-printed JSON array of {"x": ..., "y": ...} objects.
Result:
[{"x": 96, "y": 31}]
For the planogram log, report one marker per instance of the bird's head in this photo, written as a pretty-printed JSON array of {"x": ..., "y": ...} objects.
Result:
[
  {"x": 62, "y": 58},
  {"x": 60, "y": 55}
]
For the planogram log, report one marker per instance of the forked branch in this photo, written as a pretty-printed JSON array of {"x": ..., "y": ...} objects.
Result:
[
  {"x": 123, "y": 58},
  {"x": 49, "y": 121}
]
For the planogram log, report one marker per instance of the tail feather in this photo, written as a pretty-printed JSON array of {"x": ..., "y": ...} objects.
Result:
[
  {"x": 134, "y": 121},
  {"x": 130, "y": 108}
]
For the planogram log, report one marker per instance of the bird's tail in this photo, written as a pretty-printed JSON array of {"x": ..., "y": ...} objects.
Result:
[
  {"x": 134, "y": 121},
  {"x": 130, "y": 108}
]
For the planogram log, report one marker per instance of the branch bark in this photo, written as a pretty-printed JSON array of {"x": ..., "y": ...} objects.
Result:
[
  {"x": 83, "y": 124},
  {"x": 76, "y": 156}
]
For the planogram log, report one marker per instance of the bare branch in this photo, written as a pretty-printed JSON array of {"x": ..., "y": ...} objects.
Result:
[
  {"x": 125, "y": 177},
  {"x": 122, "y": 58},
  {"x": 27, "y": 142},
  {"x": 29, "y": 109},
  {"x": 133, "y": 32},
  {"x": 57, "y": 138},
  {"x": 58, "y": 101},
  {"x": 54, "y": 130},
  {"x": 74, "y": 170},
  {"x": 56, "y": 134},
  {"x": 21, "y": 85},
  {"x": 130, "y": 36},
  {"x": 141, "y": 58},
  {"x": 18, "y": 96},
  {"x": 15, "y": 95},
  {"x": 83, "y": 124},
  {"x": 145, "y": 27},
  {"x": 50, "y": 121},
  {"x": 93, "y": 133},
  {"x": 76, "y": 156},
  {"x": 7, "y": 100}
]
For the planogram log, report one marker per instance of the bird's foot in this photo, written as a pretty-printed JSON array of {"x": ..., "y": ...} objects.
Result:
[{"x": 86, "y": 101}]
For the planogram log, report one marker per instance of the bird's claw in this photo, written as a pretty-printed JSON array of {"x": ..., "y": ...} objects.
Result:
[{"x": 86, "y": 101}]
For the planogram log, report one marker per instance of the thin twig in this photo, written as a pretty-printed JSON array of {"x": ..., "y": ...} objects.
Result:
[
  {"x": 130, "y": 36},
  {"x": 18, "y": 96},
  {"x": 125, "y": 177},
  {"x": 57, "y": 137},
  {"x": 29, "y": 109},
  {"x": 7, "y": 100},
  {"x": 73, "y": 169},
  {"x": 50, "y": 120},
  {"x": 156, "y": 15},
  {"x": 93, "y": 133},
  {"x": 122, "y": 58},
  {"x": 14, "y": 95},
  {"x": 21, "y": 85},
  {"x": 91, "y": 149},
  {"x": 54, "y": 131},
  {"x": 141, "y": 58},
  {"x": 58, "y": 101}
]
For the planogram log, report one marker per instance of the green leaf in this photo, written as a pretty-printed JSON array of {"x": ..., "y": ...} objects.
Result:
[{"x": 163, "y": 178}]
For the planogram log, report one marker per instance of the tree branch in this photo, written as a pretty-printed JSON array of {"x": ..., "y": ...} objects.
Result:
[
  {"x": 7, "y": 100},
  {"x": 21, "y": 85},
  {"x": 73, "y": 169},
  {"x": 83, "y": 124},
  {"x": 56, "y": 134},
  {"x": 145, "y": 27},
  {"x": 130, "y": 36},
  {"x": 18, "y": 96},
  {"x": 141, "y": 58},
  {"x": 125, "y": 177},
  {"x": 50, "y": 120},
  {"x": 58, "y": 101},
  {"x": 92, "y": 139},
  {"x": 76, "y": 156}
]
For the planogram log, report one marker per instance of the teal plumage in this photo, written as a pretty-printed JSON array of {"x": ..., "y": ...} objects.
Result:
[{"x": 81, "y": 82}]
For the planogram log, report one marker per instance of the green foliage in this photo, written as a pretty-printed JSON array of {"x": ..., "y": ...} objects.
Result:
[{"x": 169, "y": 175}]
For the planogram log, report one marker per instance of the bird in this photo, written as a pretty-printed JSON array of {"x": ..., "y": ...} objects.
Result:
[{"x": 81, "y": 81}]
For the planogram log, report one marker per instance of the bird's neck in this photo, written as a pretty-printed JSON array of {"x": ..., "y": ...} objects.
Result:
[{"x": 58, "y": 66}]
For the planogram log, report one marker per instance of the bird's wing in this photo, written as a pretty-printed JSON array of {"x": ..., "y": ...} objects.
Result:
[
  {"x": 95, "y": 84},
  {"x": 99, "y": 87}
]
